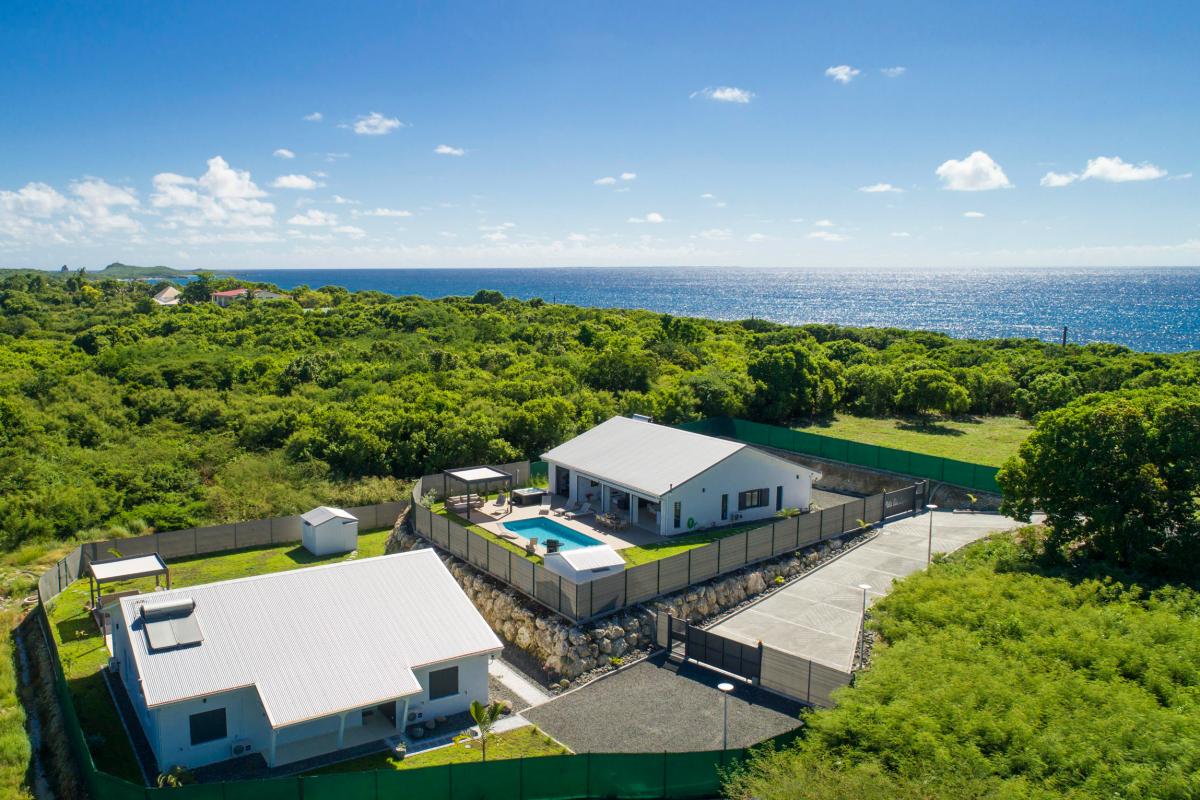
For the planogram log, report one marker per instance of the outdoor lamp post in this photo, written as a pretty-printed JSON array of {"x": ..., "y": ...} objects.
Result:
[
  {"x": 929, "y": 553},
  {"x": 862, "y": 633},
  {"x": 725, "y": 688}
]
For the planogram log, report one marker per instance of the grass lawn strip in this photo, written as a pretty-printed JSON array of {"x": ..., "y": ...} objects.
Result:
[
  {"x": 84, "y": 655},
  {"x": 524, "y": 742},
  {"x": 979, "y": 440}
]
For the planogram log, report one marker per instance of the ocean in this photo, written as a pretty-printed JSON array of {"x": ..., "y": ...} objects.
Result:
[{"x": 1145, "y": 309}]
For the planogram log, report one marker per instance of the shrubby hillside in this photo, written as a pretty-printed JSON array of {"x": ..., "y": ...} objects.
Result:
[{"x": 117, "y": 412}]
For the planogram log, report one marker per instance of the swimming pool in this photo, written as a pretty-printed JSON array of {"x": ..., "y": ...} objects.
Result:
[{"x": 544, "y": 528}]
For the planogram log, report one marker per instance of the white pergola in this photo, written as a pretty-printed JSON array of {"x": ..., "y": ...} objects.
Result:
[{"x": 124, "y": 569}]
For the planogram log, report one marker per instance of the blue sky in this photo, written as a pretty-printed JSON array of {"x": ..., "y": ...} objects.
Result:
[{"x": 314, "y": 134}]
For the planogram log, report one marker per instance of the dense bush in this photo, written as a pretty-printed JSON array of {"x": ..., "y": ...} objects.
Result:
[
  {"x": 115, "y": 411},
  {"x": 1004, "y": 679}
]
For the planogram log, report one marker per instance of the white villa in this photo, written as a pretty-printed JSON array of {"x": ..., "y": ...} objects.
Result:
[
  {"x": 670, "y": 481},
  {"x": 167, "y": 296},
  {"x": 298, "y": 664}
]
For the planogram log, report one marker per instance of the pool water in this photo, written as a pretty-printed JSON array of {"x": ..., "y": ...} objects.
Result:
[{"x": 544, "y": 529}]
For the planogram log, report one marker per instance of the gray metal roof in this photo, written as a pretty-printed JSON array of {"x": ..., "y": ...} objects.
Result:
[
  {"x": 322, "y": 514},
  {"x": 642, "y": 456},
  {"x": 315, "y": 641}
]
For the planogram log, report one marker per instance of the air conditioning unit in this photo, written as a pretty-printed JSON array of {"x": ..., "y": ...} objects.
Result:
[
  {"x": 114, "y": 666},
  {"x": 242, "y": 747}
]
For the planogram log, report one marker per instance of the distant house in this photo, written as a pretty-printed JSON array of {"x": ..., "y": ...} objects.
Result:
[
  {"x": 325, "y": 531},
  {"x": 226, "y": 297},
  {"x": 167, "y": 296},
  {"x": 670, "y": 481},
  {"x": 298, "y": 664},
  {"x": 267, "y": 294},
  {"x": 584, "y": 564}
]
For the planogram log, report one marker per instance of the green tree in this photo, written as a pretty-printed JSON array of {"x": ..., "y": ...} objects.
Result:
[
  {"x": 1118, "y": 474},
  {"x": 926, "y": 391},
  {"x": 794, "y": 380},
  {"x": 485, "y": 718},
  {"x": 1046, "y": 392}
]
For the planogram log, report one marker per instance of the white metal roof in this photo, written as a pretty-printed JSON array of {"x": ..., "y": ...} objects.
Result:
[
  {"x": 478, "y": 474},
  {"x": 315, "y": 641},
  {"x": 642, "y": 456},
  {"x": 126, "y": 568},
  {"x": 322, "y": 514},
  {"x": 581, "y": 559}
]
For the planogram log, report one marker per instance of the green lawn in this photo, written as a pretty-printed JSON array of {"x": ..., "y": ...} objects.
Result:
[
  {"x": 979, "y": 440},
  {"x": 527, "y": 742},
  {"x": 84, "y": 655},
  {"x": 440, "y": 509},
  {"x": 674, "y": 545}
]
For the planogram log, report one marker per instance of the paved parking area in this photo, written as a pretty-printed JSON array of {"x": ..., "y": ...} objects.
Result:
[
  {"x": 653, "y": 707},
  {"x": 818, "y": 616}
]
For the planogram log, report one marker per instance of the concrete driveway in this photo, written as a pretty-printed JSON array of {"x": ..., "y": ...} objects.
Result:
[{"x": 818, "y": 616}]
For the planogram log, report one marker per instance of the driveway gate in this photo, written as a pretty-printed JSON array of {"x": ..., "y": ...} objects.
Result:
[{"x": 713, "y": 650}]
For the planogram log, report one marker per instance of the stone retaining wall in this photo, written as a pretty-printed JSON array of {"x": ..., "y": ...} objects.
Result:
[{"x": 567, "y": 651}]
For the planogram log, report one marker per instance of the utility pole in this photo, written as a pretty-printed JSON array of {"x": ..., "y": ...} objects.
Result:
[{"x": 1064, "y": 339}]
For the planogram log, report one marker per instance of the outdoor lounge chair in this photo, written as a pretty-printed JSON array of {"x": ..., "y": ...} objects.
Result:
[
  {"x": 584, "y": 511},
  {"x": 500, "y": 500},
  {"x": 567, "y": 509},
  {"x": 545, "y": 507}
]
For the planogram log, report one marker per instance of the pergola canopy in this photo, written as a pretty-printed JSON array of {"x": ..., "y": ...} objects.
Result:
[
  {"x": 125, "y": 569},
  {"x": 475, "y": 475}
]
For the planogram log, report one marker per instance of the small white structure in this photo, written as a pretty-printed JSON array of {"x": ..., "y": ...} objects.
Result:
[
  {"x": 585, "y": 564},
  {"x": 671, "y": 481},
  {"x": 326, "y": 531},
  {"x": 297, "y": 664},
  {"x": 167, "y": 296}
]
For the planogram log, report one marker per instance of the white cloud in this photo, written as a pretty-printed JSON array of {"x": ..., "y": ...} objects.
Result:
[
  {"x": 343, "y": 201},
  {"x": 334, "y": 157},
  {"x": 35, "y": 199},
  {"x": 708, "y": 196},
  {"x": 316, "y": 116},
  {"x": 313, "y": 218},
  {"x": 98, "y": 198},
  {"x": 756, "y": 237},
  {"x": 875, "y": 188},
  {"x": 716, "y": 234},
  {"x": 974, "y": 214},
  {"x": 628, "y": 176},
  {"x": 1054, "y": 180},
  {"x": 375, "y": 124},
  {"x": 496, "y": 236},
  {"x": 387, "y": 212},
  {"x": 725, "y": 94},
  {"x": 653, "y": 217},
  {"x": 447, "y": 150},
  {"x": 828, "y": 236},
  {"x": 302, "y": 182},
  {"x": 222, "y": 197},
  {"x": 901, "y": 234},
  {"x": 1113, "y": 170},
  {"x": 975, "y": 173},
  {"x": 578, "y": 237},
  {"x": 843, "y": 73},
  {"x": 893, "y": 72},
  {"x": 607, "y": 180},
  {"x": 351, "y": 231},
  {"x": 1183, "y": 176},
  {"x": 824, "y": 223},
  {"x": 283, "y": 152}
]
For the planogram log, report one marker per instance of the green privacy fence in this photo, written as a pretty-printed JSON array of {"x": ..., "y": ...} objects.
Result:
[{"x": 948, "y": 470}]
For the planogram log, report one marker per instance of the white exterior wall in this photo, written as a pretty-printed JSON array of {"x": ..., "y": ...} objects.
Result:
[
  {"x": 745, "y": 470},
  {"x": 472, "y": 685},
  {"x": 169, "y": 732},
  {"x": 331, "y": 536}
]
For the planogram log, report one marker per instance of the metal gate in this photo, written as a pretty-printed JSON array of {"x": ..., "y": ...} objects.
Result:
[{"x": 712, "y": 650}]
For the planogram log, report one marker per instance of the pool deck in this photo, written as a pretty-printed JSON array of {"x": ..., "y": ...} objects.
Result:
[{"x": 490, "y": 518}]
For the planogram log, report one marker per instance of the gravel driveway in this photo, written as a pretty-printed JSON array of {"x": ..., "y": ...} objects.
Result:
[{"x": 650, "y": 707}]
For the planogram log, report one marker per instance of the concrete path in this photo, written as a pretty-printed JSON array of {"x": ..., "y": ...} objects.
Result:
[
  {"x": 818, "y": 616},
  {"x": 518, "y": 684}
]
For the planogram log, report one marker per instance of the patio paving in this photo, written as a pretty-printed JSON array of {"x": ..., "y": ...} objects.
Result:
[
  {"x": 818, "y": 616},
  {"x": 491, "y": 518}
]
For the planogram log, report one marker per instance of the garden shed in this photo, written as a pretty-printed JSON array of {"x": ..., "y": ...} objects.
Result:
[
  {"x": 583, "y": 564},
  {"x": 326, "y": 531}
]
